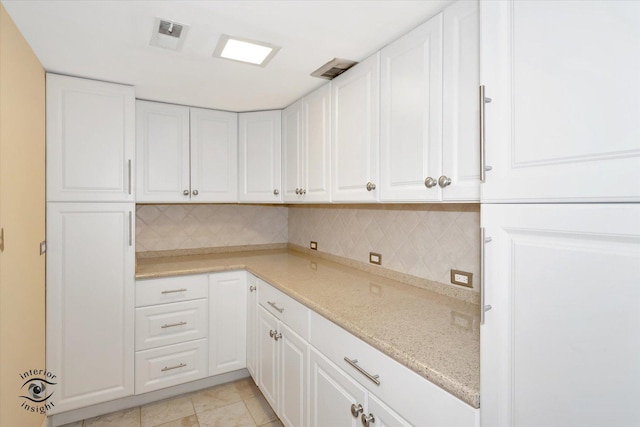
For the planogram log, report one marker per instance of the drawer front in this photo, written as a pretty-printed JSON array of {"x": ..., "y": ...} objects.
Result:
[
  {"x": 171, "y": 365},
  {"x": 285, "y": 308},
  {"x": 170, "y": 289},
  {"x": 166, "y": 324},
  {"x": 413, "y": 397}
]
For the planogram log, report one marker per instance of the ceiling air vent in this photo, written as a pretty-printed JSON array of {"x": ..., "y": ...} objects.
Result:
[
  {"x": 168, "y": 34},
  {"x": 333, "y": 68}
]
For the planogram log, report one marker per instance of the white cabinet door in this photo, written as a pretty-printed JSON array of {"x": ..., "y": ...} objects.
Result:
[
  {"x": 227, "y": 322},
  {"x": 563, "y": 123},
  {"x": 316, "y": 133},
  {"x": 162, "y": 152},
  {"x": 260, "y": 161},
  {"x": 90, "y": 302},
  {"x": 267, "y": 357},
  {"x": 461, "y": 77},
  {"x": 411, "y": 114},
  {"x": 383, "y": 416},
  {"x": 252, "y": 324},
  {"x": 355, "y": 132},
  {"x": 214, "y": 156},
  {"x": 292, "y": 152},
  {"x": 332, "y": 394},
  {"x": 293, "y": 396},
  {"x": 90, "y": 140},
  {"x": 560, "y": 344}
]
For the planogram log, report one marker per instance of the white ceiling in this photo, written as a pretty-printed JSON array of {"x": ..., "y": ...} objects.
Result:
[{"x": 109, "y": 40}]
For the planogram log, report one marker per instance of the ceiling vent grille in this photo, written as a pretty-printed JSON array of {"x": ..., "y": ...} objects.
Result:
[
  {"x": 333, "y": 68},
  {"x": 168, "y": 34}
]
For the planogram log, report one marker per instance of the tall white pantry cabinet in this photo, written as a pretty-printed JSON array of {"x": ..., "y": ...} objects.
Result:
[
  {"x": 90, "y": 231},
  {"x": 560, "y": 214}
]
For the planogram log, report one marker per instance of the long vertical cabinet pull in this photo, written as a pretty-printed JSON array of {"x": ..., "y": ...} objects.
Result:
[
  {"x": 129, "y": 174},
  {"x": 483, "y": 308},
  {"x": 130, "y": 228},
  {"x": 483, "y": 168}
]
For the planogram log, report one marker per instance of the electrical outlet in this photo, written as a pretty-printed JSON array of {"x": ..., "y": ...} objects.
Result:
[
  {"x": 313, "y": 245},
  {"x": 462, "y": 278},
  {"x": 375, "y": 258}
]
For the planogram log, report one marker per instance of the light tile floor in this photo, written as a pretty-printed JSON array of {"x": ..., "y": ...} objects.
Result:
[{"x": 236, "y": 404}]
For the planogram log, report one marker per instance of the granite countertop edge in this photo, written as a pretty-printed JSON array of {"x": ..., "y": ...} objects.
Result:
[{"x": 465, "y": 393}]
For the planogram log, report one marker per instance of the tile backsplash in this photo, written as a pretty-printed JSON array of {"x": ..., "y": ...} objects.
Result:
[
  {"x": 425, "y": 241},
  {"x": 421, "y": 240},
  {"x": 168, "y": 227}
]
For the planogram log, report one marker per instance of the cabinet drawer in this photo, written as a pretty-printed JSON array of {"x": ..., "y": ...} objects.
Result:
[
  {"x": 165, "y": 324},
  {"x": 417, "y": 400},
  {"x": 171, "y": 365},
  {"x": 170, "y": 289},
  {"x": 285, "y": 308}
]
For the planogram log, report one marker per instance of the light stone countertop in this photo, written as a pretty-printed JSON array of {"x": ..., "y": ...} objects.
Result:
[{"x": 435, "y": 335}]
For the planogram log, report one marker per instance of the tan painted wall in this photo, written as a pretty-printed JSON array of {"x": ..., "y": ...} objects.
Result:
[{"x": 22, "y": 215}]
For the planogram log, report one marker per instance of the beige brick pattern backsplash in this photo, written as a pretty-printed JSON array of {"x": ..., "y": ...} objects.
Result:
[
  {"x": 426, "y": 241},
  {"x": 168, "y": 227}
]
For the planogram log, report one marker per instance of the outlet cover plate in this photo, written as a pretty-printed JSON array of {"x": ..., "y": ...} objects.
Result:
[
  {"x": 375, "y": 258},
  {"x": 462, "y": 278},
  {"x": 313, "y": 245}
]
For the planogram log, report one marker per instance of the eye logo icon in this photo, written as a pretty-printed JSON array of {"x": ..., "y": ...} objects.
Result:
[{"x": 36, "y": 389}]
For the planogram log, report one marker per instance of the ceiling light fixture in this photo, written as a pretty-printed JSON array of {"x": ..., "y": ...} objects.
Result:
[{"x": 245, "y": 50}]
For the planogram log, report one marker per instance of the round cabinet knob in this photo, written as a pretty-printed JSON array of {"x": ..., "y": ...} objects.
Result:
[
  {"x": 430, "y": 182},
  {"x": 297, "y": 191},
  {"x": 371, "y": 186},
  {"x": 271, "y": 333},
  {"x": 276, "y": 192},
  {"x": 252, "y": 288},
  {"x": 277, "y": 336},
  {"x": 195, "y": 192},
  {"x": 185, "y": 192},
  {"x": 303, "y": 191},
  {"x": 356, "y": 410},
  {"x": 443, "y": 181},
  {"x": 367, "y": 420}
]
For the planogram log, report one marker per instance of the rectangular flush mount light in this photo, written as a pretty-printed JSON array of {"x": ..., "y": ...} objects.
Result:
[{"x": 245, "y": 50}]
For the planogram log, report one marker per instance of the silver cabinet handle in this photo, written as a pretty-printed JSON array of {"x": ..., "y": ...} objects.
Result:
[
  {"x": 173, "y": 325},
  {"x": 252, "y": 288},
  {"x": 276, "y": 192},
  {"x": 185, "y": 193},
  {"x": 129, "y": 174},
  {"x": 356, "y": 410},
  {"x": 275, "y": 334},
  {"x": 367, "y": 420},
  {"x": 483, "y": 167},
  {"x": 483, "y": 308},
  {"x": 303, "y": 191},
  {"x": 444, "y": 181},
  {"x": 273, "y": 304},
  {"x": 173, "y": 291},
  {"x": 181, "y": 365},
  {"x": 354, "y": 364},
  {"x": 297, "y": 191},
  {"x": 194, "y": 192},
  {"x": 130, "y": 228},
  {"x": 370, "y": 186},
  {"x": 430, "y": 182}
]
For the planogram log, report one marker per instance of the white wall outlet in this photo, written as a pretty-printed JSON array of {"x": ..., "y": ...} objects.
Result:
[
  {"x": 375, "y": 258},
  {"x": 313, "y": 245},
  {"x": 462, "y": 278}
]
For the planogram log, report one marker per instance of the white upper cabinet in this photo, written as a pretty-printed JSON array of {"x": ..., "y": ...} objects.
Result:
[
  {"x": 306, "y": 148},
  {"x": 563, "y": 124},
  {"x": 163, "y": 152},
  {"x": 355, "y": 132},
  {"x": 214, "y": 156},
  {"x": 429, "y": 140},
  {"x": 411, "y": 115},
  {"x": 260, "y": 157},
  {"x": 90, "y": 140},
  {"x": 186, "y": 154}
]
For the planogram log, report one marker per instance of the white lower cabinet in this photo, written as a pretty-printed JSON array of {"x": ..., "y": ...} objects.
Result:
[
  {"x": 172, "y": 332},
  {"x": 227, "y": 322}
]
